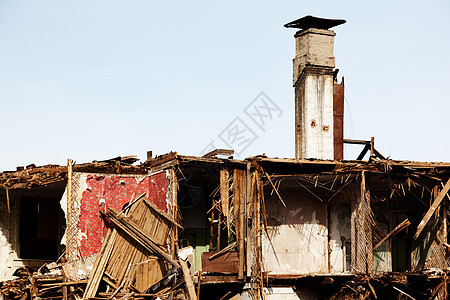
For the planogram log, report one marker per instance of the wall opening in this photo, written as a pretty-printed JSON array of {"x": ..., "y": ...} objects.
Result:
[
  {"x": 401, "y": 243},
  {"x": 40, "y": 223}
]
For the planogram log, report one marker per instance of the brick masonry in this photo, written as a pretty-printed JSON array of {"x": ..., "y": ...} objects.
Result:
[{"x": 114, "y": 191}]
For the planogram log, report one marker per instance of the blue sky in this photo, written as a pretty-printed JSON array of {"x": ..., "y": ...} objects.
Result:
[{"x": 90, "y": 80}]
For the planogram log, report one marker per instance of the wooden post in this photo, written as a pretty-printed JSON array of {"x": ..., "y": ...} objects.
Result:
[
  {"x": 174, "y": 190},
  {"x": 239, "y": 190},
  {"x": 7, "y": 200},
  {"x": 444, "y": 221},
  {"x": 372, "y": 146},
  {"x": 69, "y": 217},
  {"x": 188, "y": 279},
  {"x": 211, "y": 231},
  {"x": 438, "y": 198},
  {"x": 241, "y": 247},
  {"x": 225, "y": 195},
  {"x": 258, "y": 233},
  {"x": 219, "y": 217}
]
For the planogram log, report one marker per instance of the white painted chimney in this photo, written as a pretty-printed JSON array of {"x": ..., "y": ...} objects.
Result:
[{"x": 313, "y": 82}]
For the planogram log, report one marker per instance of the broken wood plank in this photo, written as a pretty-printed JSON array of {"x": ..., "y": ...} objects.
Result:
[
  {"x": 432, "y": 209},
  {"x": 378, "y": 154},
  {"x": 215, "y": 152},
  {"x": 225, "y": 195},
  {"x": 188, "y": 278},
  {"x": 64, "y": 283},
  {"x": 161, "y": 213},
  {"x": 223, "y": 251},
  {"x": 100, "y": 264},
  {"x": 137, "y": 233},
  {"x": 274, "y": 188},
  {"x": 393, "y": 232},
  {"x": 239, "y": 190},
  {"x": 378, "y": 231},
  {"x": 174, "y": 196},
  {"x": 71, "y": 254},
  {"x": 402, "y": 292}
]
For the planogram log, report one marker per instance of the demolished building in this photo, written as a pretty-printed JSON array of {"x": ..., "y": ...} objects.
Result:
[{"x": 311, "y": 227}]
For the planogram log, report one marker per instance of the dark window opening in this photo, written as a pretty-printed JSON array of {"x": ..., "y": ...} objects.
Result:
[
  {"x": 401, "y": 244},
  {"x": 39, "y": 228}
]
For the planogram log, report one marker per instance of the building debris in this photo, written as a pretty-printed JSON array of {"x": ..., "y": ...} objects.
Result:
[{"x": 315, "y": 226}]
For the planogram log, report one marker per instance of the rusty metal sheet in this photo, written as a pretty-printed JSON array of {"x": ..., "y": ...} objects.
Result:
[
  {"x": 226, "y": 263},
  {"x": 338, "y": 120}
]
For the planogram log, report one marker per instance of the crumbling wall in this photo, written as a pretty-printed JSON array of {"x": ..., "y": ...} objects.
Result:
[
  {"x": 339, "y": 227},
  {"x": 297, "y": 236},
  {"x": 96, "y": 192},
  {"x": 9, "y": 259}
]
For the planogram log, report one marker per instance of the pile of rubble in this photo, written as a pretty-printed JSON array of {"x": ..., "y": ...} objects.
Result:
[{"x": 133, "y": 262}]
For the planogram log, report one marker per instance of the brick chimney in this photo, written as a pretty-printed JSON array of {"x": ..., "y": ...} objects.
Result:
[{"x": 314, "y": 81}]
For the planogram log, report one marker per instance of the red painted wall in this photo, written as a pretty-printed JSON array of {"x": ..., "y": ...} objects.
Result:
[{"x": 114, "y": 191}]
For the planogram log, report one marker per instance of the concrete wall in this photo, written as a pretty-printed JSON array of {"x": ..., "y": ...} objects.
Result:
[
  {"x": 313, "y": 82},
  {"x": 314, "y": 47},
  {"x": 297, "y": 237},
  {"x": 314, "y": 117},
  {"x": 339, "y": 226}
]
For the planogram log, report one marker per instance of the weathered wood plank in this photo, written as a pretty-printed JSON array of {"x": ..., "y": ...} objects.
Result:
[
  {"x": 224, "y": 194},
  {"x": 432, "y": 209},
  {"x": 188, "y": 279},
  {"x": 393, "y": 232},
  {"x": 135, "y": 232}
]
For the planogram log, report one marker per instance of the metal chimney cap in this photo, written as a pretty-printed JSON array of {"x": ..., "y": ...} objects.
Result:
[{"x": 314, "y": 22}]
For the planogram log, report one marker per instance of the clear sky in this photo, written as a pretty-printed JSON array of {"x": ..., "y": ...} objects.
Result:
[{"x": 91, "y": 80}]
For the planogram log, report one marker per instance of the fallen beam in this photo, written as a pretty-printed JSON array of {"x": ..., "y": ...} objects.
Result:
[
  {"x": 219, "y": 152},
  {"x": 393, "y": 232},
  {"x": 137, "y": 233},
  {"x": 432, "y": 209}
]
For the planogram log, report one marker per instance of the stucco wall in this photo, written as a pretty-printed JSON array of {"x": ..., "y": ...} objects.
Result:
[
  {"x": 297, "y": 238},
  {"x": 339, "y": 226}
]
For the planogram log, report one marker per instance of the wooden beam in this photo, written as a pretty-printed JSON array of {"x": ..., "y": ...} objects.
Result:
[
  {"x": 100, "y": 264},
  {"x": 378, "y": 154},
  {"x": 223, "y": 251},
  {"x": 174, "y": 191},
  {"x": 7, "y": 200},
  {"x": 215, "y": 152},
  {"x": 378, "y": 231},
  {"x": 432, "y": 209},
  {"x": 372, "y": 145},
  {"x": 69, "y": 251},
  {"x": 393, "y": 232},
  {"x": 188, "y": 279},
  {"x": 356, "y": 142},
  {"x": 363, "y": 152},
  {"x": 161, "y": 213},
  {"x": 137, "y": 233},
  {"x": 239, "y": 189},
  {"x": 225, "y": 195}
]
